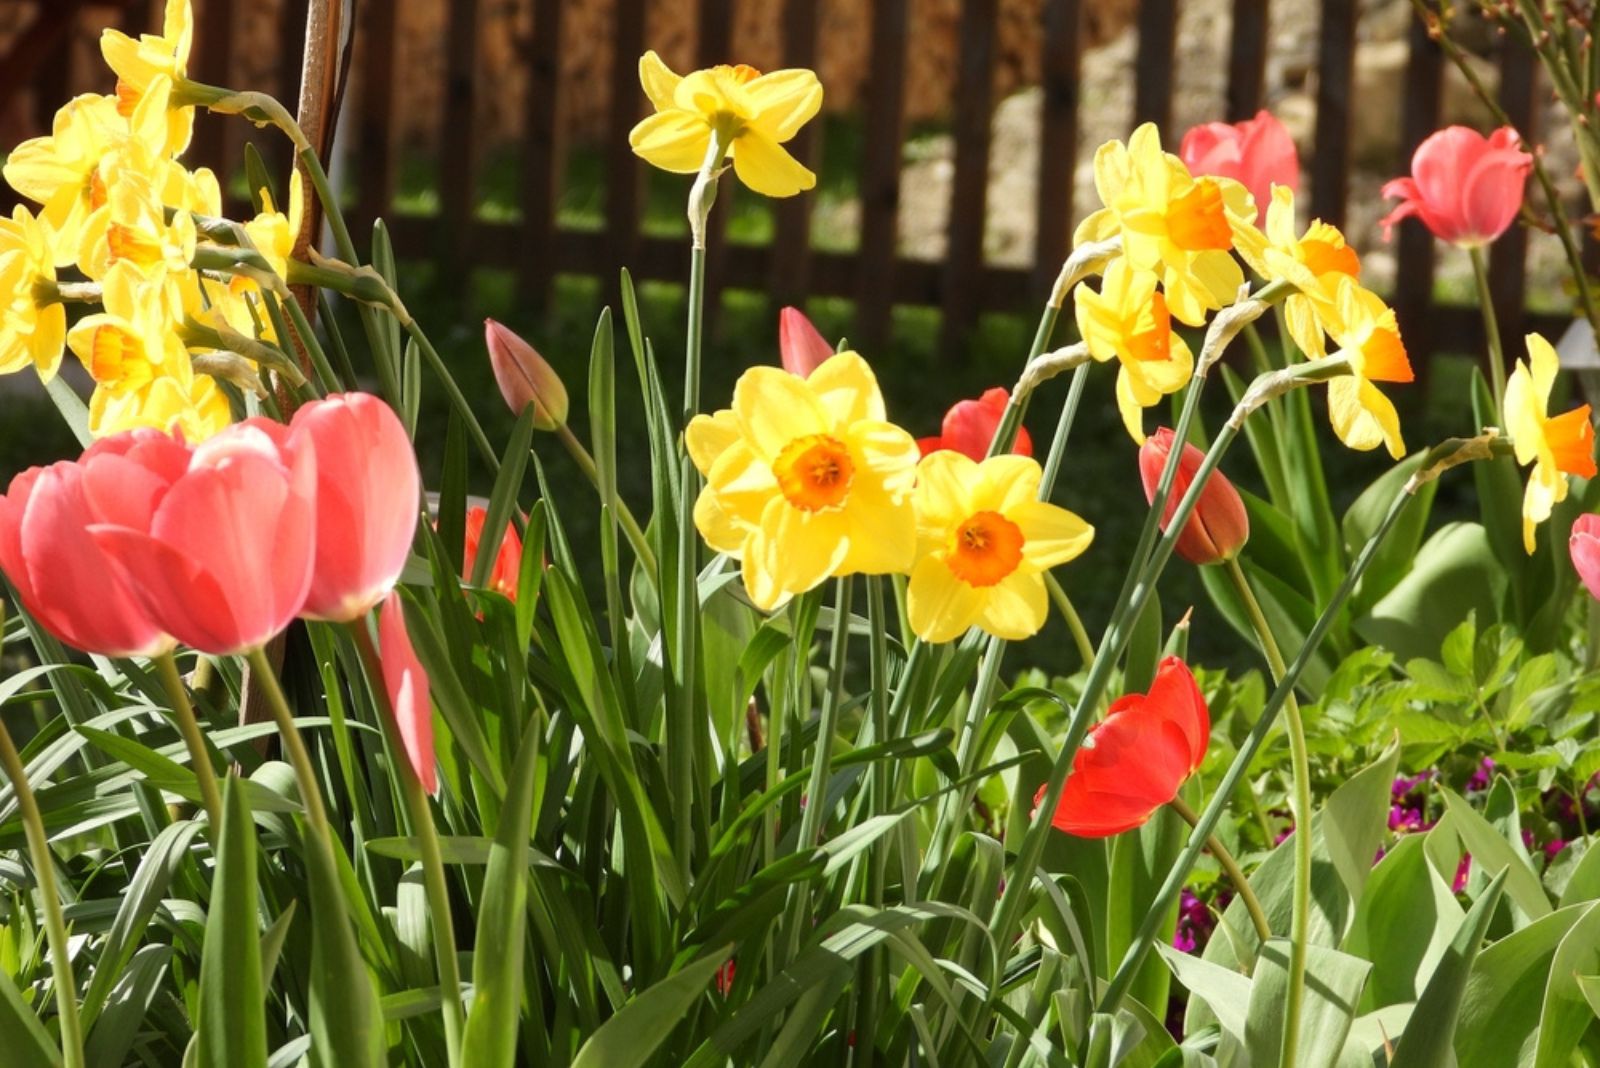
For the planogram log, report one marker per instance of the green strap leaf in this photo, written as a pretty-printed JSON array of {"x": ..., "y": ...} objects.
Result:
[
  {"x": 22, "y": 1036},
  {"x": 629, "y": 1038},
  {"x": 232, "y": 1023}
]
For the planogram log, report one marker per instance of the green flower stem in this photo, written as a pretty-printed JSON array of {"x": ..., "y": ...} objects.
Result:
[
  {"x": 874, "y": 970},
  {"x": 1058, "y": 443},
  {"x": 422, "y": 825},
  {"x": 294, "y": 745},
  {"x": 1491, "y": 327},
  {"x": 1176, "y": 876},
  {"x": 199, "y": 757},
  {"x": 55, "y": 925},
  {"x": 1064, "y": 605},
  {"x": 1300, "y": 763},
  {"x": 1230, "y": 868},
  {"x": 619, "y": 507}
]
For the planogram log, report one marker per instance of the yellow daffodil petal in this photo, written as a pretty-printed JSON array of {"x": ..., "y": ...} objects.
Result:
[
  {"x": 1053, "y": 534},
  {"x": 1128, "y": 406},
  {"x": 1016, "y": 607},
  {"x": 707, "y": 436},
  {"x": 766, "y": 167},
  {"x": 660, "y": 83},
  {"x": 774, "y": 407},
  {"x": 882, "y": 533},
  {"x": 675, "y": 141},
  {"x": 847, "y": 388},
  {"x": 1006, "y": 482},
  {"x": 797, "y": 549},
  {"x": 782, "y": 101},
  {"x": 941, "y": 607},
  {"x": 945, "y": 481},
  {"x": 1362, "y": 417},
  {"x": 724, "y": 531}
]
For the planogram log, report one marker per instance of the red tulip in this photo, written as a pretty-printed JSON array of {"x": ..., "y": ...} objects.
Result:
[
  {"x": 1258, "y": 153},
  {"x": 62, "y": 577},
  {"x": 507, "y": 562},
  {"x": 1219, "y": 526},
  {"x": 219, "y": 554},
  {"x": 1465, "y": 187},
  {"x": 525, "y": 377},
  {"x": 407, "y": 684},
  {"x": 969, "y": 427},
  {"x": 1585, "y": 548},
  {"x": 800, "y": 346},
  {"x": 1134, "y": 760},
  {"x": 368, "y": 491}
]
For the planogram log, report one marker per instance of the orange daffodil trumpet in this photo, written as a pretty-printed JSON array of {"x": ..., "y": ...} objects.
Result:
[
  {"x": 732, "y": 112},
  {"x": 1556, "y": 446}
]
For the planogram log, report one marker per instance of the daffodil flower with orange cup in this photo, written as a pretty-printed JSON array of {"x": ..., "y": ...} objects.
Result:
[
  {"x": 1556, "y": 446},
  {"x": 1128, "y": 321},
  {"x": 985, "y": 541},
  {"x": 32, "y": 330},
  {"x": 140, "y": 63},
  {"x": 1180, "y": 227},
  {"x": 1312, "y": 262},
  {"x": 746, "y": 114},
  {"x": 1364, "y": 329},
  {"x": 65, "y": 170},
  {"x": 805, "y": 479}
]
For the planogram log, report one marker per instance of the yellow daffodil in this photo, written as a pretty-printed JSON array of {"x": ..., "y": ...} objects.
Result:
[
  {"x": 133, "y": 228},
  {"x": 1312, "y": 263},
  {"x": 175, "y": 398},
  {"x": 65, "y": 170},
  {"x": 1364, "y": 329},
  {"x": 805, "y": 479},
  {"x": 1128, "y": 320},
  {"x": 1181, "y": 227},
  {"x": 272, "y": 232},
  {"x": 31, "y": 331},
  {"x": 132, "y": 341},
  {"x": 750, "y": 114},
  {"x": 984, "y": 541},
  {"x": 1556, "y": 446},
  {"x": 139, "y": 64}
]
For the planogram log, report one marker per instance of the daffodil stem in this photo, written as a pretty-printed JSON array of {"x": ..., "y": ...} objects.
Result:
[
  {"x": 1491, "y": 329},
  {"x": 1080, "y": 635},
  {"x": 1225, "y": 789},
  {"x": 199, "y": 757},
  {"x": 878, "y": 859},
  {"x": 422, "y": 825},
  {"x": 294, "y": 745},
  {"x": 1300, "y": 765},
  {"x": 619, "y": 507},
  {"x": 55, "y": 924},
  {"x": 1058, "y": 443},
  {"x": 1230, "y": 868}
]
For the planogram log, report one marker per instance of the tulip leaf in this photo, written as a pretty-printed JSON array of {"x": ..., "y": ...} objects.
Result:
[
  {"x": 1334, "y": 982},
  {"x": 1396, "y": 556},
  {"x": 1140, "y": 860},
  {"x": 629, "y": 1038},
  {"x": 347, "y": 1028},
  {"x": 1456, "y": 573},
  {"x": 1224, "y": 991},
  {"x": 1144, "y": 648},
  {"x": 232, "y": 1025},
  {"x": 451, "y": 517},
  {"x": 22, "y": 1036},
  {"x": 503, "y": 498},
  {"x": 1567, "y": 1013},
  {"x": 1493, "y": 853},
  {"x": 1504, "y": 996},
  {"x": 1403, "y": 924}
]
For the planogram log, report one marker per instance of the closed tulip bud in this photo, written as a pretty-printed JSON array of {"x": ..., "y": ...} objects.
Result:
[
  {"x": 800, "y": 346},
  {"x": 525, "y": 377},
  {"x": 1219, "y": 526},
  {"x": 1585, "y": 548}
]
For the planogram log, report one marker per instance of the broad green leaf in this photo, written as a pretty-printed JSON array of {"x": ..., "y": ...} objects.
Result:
[
  {"x": 1398, "y": 553},
  {"x": 1140, "y": 861},
  {"x": 1225, "y": 991},
  {"x": 1429, "y": 1037},
  {"x": 1566, "y": 1013},
  {"x": 232, "y": 1024},
  {"x": 1492, "y": 853},
  {"x": 346, "y": 1023},
  {"x": 24, "y": 1038},
  {"x": 1334, "y": 981},
  {"x": 1456, "y": 573},
  {"x": 503, "y": 497},
  {"x": 1144, "y": 648},
  {"x": 1404, "y": 923},
  {"x": 123, "y": 1017}
]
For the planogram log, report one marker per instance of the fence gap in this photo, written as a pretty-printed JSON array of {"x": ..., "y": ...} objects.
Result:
[
  {"x": 375, "y": 123},
  {"x": 714, "y": 45},
  {"x": 544, "y": 155},
  {"x": 1508, "y": 257},
  {"x": 624, "y": 173},
  {"x": 1152, "y": 96},
  {"x": 458, "y": 147}
]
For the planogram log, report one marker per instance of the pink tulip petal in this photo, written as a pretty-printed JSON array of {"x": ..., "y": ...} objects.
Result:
[
  {"x": 182, "y": 598},
  {"x": 800, "y": 346},
  {"x": 407, "y": 683}
]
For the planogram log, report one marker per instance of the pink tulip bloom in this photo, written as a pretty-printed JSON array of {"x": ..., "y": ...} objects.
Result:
[
  {"x": 368, "y": 489},
  {"x": 970, "y": 425},
  {"x": 1585, "y": 548},
  {"x": 801, "y": 348},
  {"x": 1465, "y": 187},
  {"x": 1258, "y": 153},
  {"x": 407, "y": 683},
  {"x": 62, "y": 577},
  {"x": 219, "y": 553}
]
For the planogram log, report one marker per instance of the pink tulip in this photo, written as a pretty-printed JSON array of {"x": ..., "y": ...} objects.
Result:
[
  {"x": 368, "y": 490},
  {"x": 800, "y": 346},
  {"x": 1465, "y": 187},
  {"x": 220, "y": 553},
  {"x": 1219, "y": 525},
  {"x": 1585, "y": 548},
  {"x": 970, "y": 425},
  {"x": 1258, "y": 153},
  {"x": 407, "y": 683},
  {"x": 525, "y": 377},
  {"x": 62, "y": 577}
]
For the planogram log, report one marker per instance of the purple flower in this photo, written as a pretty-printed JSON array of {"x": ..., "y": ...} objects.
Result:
[
  {"x": 1405, "y": 784},
  {"x": 1480, "y": 777},
  {"x": 1459, "y": 883},
  {"x": 1195, "y": 922}
]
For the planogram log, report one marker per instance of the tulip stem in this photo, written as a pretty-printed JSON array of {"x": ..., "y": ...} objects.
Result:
[
  {"x": 1230, "y": 868},
  {"x": 422, "y": 825},
  {"x": 619, "y": 507},
  {"x": 294, "y": 745},
  {"x": 55, "y": 925},
  {"x": 1491, "y": 327},
  {"x": 1300, "y": 763},
  {"x": 199, "y": 756},
  {"x": 1080, "y": 636}
]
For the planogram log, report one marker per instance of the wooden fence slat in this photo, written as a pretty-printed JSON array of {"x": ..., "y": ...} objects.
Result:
[
  {"x": 624, "y": 174},
  {"x": 790, "y": 277},
  {"x": 714, "y": 46},
  {"x": 1158, "y": 31},
  {"x": 375, "y": 121},
  {"x": 543, "y": 155},
  {"x": 1336, "y": 51},
  {"x": 880, "y": 179},
  {"x": 276, "y": 151},
  {"x": 1058, "y": 141},
  {"x": 214, "y": 57},
  {"x": 1508, "y": 257},
  {"x": 458, "y": 143},
  {"x": 1247, "y": 58},
  {"x": 1413, "y": 296},
  {"x": 969, "y": 189}
]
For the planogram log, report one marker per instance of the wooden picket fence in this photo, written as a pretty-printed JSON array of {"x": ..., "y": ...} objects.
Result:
[{"x": 876, "y": 275}]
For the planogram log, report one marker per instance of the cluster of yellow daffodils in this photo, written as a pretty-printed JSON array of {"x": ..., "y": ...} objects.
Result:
[
  {"x": 1178, "y": 235},
  {"x": 117, "y": 208},
  {"x": 807, "y": 480}
]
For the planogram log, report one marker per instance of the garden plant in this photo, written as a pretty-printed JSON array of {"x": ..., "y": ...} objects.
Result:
[{"x": 306, "y": 761}]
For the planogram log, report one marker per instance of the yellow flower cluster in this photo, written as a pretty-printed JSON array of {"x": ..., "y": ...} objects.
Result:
[
  {"x": 116, "y": 206},
  {"x": 806, "y": 480},
  {"x": 1178, "y": 234}
]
